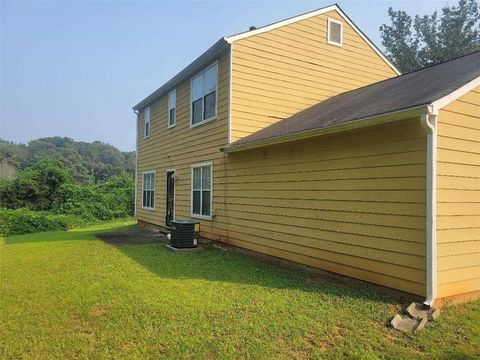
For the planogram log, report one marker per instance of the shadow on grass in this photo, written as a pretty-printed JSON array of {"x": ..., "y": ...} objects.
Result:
[
  {"x": 234, "y": 267},
  {"x": 212, "y": 265},
  {"x": 74, "y": 234}
]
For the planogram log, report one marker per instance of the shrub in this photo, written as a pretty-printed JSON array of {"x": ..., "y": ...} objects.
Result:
[
  {"x": 23, "y": 221},
  {"x": 35, "y": 187},
  {"x": 112, "y": 199}
]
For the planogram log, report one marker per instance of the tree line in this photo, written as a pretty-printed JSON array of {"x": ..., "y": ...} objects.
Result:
[
  {"x": 60, "y": 183},
  {"x": 89, "y": 163},
  {"x": 416, "y": 42}
]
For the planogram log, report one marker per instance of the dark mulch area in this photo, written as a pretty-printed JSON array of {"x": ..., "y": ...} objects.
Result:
[{"x": 132, "y": 237}]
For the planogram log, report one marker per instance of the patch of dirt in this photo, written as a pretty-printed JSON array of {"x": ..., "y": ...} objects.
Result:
[
  {"x": 98, "y": 311},
  {"x": 132, "y": 237}
]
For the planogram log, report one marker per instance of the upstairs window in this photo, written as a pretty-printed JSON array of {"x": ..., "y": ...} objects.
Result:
[
  {"x": 202, "y": 190},
  {"x": 148, "y": 190},
  {"x": 172, "y": 108},
  {"x": 203, "y": 92},
  {"x": 335, "y": 32},
  {"x": 146, "y": 117}
]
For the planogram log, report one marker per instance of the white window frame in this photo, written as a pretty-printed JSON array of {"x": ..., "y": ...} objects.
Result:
[
  {"x": 340, "y": 44},
  {"x": 199, "y": 216},
  {"x": 170, "y": 107},
  {"x": 154, "y": 190},
  {"x": 204, "y": 121},
  {"x": 145, "y": 135}
]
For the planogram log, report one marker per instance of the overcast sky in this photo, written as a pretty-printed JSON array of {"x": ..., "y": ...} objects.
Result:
[{"x": 76, "y": 68}]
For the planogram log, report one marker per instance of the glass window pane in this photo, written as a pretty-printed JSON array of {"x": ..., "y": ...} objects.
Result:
[
  {"x": 171, "y": 118},
  {"x": 144, "y": 200},
  {"x": 197, "y": 111},
  {"x": 197, "y": 87},
  {"x": 210, "y": 106},
  {"x": 210, "y": 82},
  {"x": 147, "y": 115},
  {"x": 206, "y": 203},
  {"x": 196, "y": 202},
  {"x": 172, "y": 99},
  {"x": 206, "y": 181},
  {"x": 149, "y": 181},
  {"x": 197, "y": 178},
  {"x": 152, "y": 199},
  {"x": 147, "y": 129}
]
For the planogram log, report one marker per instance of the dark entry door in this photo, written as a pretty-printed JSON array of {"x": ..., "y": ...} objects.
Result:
[{"x": 170, "y": 197}]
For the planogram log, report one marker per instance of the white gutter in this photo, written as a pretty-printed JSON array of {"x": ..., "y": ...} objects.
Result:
[
  {"x": 351, "y": 125},
  {"x": 429, "y": 121}
]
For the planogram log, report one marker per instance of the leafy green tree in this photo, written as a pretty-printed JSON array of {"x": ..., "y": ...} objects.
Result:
[
  {"x": 12, "y": 153},
  {"x": 430, "y": 39},
  {"x": 89, "y": 162},
  {"x": 35, "y": 187}
]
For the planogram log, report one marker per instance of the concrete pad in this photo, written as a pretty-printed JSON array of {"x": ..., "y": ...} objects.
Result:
[
  {"x": 402, "y": 324},
  {"x": 131, "y": 236},
  {"x": 407, "y": 324},
  {"x": 422, "y": 311},
  {"x": 184, "y": 250},
  {"x": 421, "y": 324},
  {"x": 434, "y": 315}
]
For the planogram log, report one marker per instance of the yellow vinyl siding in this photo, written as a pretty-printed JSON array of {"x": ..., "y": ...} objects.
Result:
[
  {"x": 181, "y": 147},
  {"x": 458, "y": 196},
  {"x": 352, "y": 203},
  {"x": 285, "y": 70}
]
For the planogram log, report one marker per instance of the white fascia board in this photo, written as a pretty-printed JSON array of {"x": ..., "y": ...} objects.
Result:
[
  {"x": 231, "y": 39},
  {"x": 278, "y": 24},
  {"x": 444, "y": 101}
]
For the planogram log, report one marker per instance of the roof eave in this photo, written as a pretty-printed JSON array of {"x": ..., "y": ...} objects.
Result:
[
  {"x": 444, "y": 101},
  {"x": 354, "y": 124},
  {"x": 197, "y": 65}
]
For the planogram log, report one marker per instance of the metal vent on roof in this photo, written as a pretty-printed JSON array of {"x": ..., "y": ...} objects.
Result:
[{"x": 335, "y": 35}]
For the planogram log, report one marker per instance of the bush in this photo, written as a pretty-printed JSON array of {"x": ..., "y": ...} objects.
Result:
[
  {"x": 35, "y": 187},
  {"x": 112, "y": 199},
  {"x": 23, "y": 221}
]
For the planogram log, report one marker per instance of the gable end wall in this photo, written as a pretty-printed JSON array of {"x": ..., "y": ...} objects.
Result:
[{"x": 280, "y": 72}]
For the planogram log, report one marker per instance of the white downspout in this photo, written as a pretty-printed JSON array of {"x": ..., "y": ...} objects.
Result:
[
  {"x": 429, "y": 120},
  {"x": 136, "y": 162}
]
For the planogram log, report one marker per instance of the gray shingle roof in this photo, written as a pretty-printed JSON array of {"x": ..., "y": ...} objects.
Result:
[{"x": 421, "y": 87}]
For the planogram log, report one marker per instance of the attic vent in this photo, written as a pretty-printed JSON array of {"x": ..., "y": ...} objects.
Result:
[
  {"x": 252, "y": 28},
  {"x": 335, "y": 32}
]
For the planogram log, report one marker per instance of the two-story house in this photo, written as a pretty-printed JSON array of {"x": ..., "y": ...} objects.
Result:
[{"x": 299, "y": 140}]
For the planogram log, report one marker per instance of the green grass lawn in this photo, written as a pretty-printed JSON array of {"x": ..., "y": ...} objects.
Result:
[{"x": 70, "y": 295}]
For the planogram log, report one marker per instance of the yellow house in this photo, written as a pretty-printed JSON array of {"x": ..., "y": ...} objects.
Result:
[{"x": 300, "y": 140}]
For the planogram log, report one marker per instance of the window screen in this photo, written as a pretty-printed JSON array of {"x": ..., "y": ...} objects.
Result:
[
  {"x": 204, "y": 95},
  {"x": 172, "y": 105},
  {"x": 148, "y": 190},
  {"x": 201, "y": 190},
  {"x": 146, "y": 117}
]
